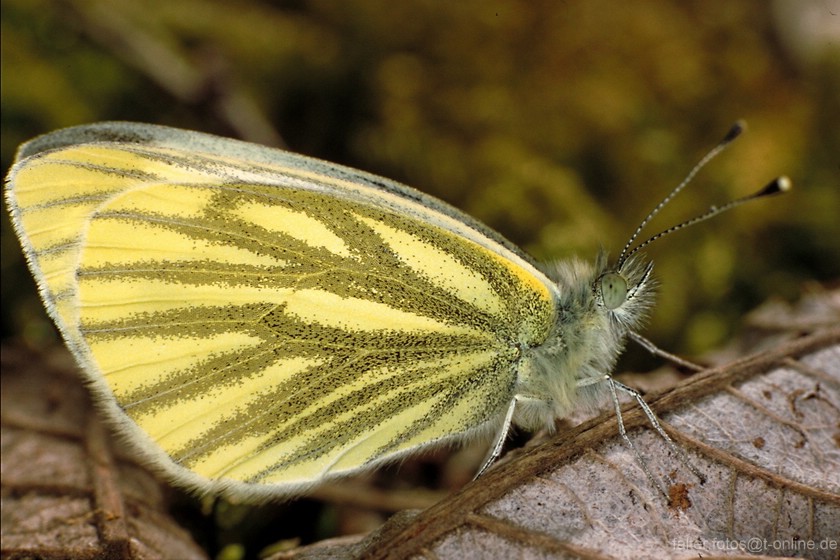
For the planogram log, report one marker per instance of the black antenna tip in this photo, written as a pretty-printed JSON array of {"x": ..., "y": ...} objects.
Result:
[
  {"x": 734, "y": 132},
  {"x": 778, "y": 185}
]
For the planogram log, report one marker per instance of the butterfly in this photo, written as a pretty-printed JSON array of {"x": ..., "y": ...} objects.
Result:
[{"x": 256, "y": 322}]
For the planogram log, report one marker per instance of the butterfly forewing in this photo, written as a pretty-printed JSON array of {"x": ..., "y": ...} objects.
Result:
[{"x": 274, "y": 322}]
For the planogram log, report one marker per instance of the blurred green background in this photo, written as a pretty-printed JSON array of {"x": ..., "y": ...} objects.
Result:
[{"x": 560, "y": 124}]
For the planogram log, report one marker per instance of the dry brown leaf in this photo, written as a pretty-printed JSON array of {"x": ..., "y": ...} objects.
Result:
[{"x": 66, "y": 490}]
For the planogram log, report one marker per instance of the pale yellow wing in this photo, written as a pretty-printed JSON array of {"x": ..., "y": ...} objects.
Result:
[{"x": 258, "y": 322}]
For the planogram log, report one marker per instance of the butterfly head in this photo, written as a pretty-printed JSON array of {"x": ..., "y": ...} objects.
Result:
[{"x": 625, "y": 293}]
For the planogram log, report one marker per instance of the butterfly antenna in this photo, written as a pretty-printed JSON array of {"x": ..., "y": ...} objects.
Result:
[
  {"x": 776, "y": 186},
  {"x": 733, "y": 133}
]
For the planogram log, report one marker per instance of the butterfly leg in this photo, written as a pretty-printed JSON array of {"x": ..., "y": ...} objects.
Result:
[
  {"x": 613, "y": 384},
  {"x": 657, "y": 351},
  {"x": 654, "y": 421},
  {"x": 621, "y": 430},
  {"x": 499, "y": 441}
]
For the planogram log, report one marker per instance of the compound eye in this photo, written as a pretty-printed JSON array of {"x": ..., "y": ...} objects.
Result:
[{"x": 613, "y": 290}]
